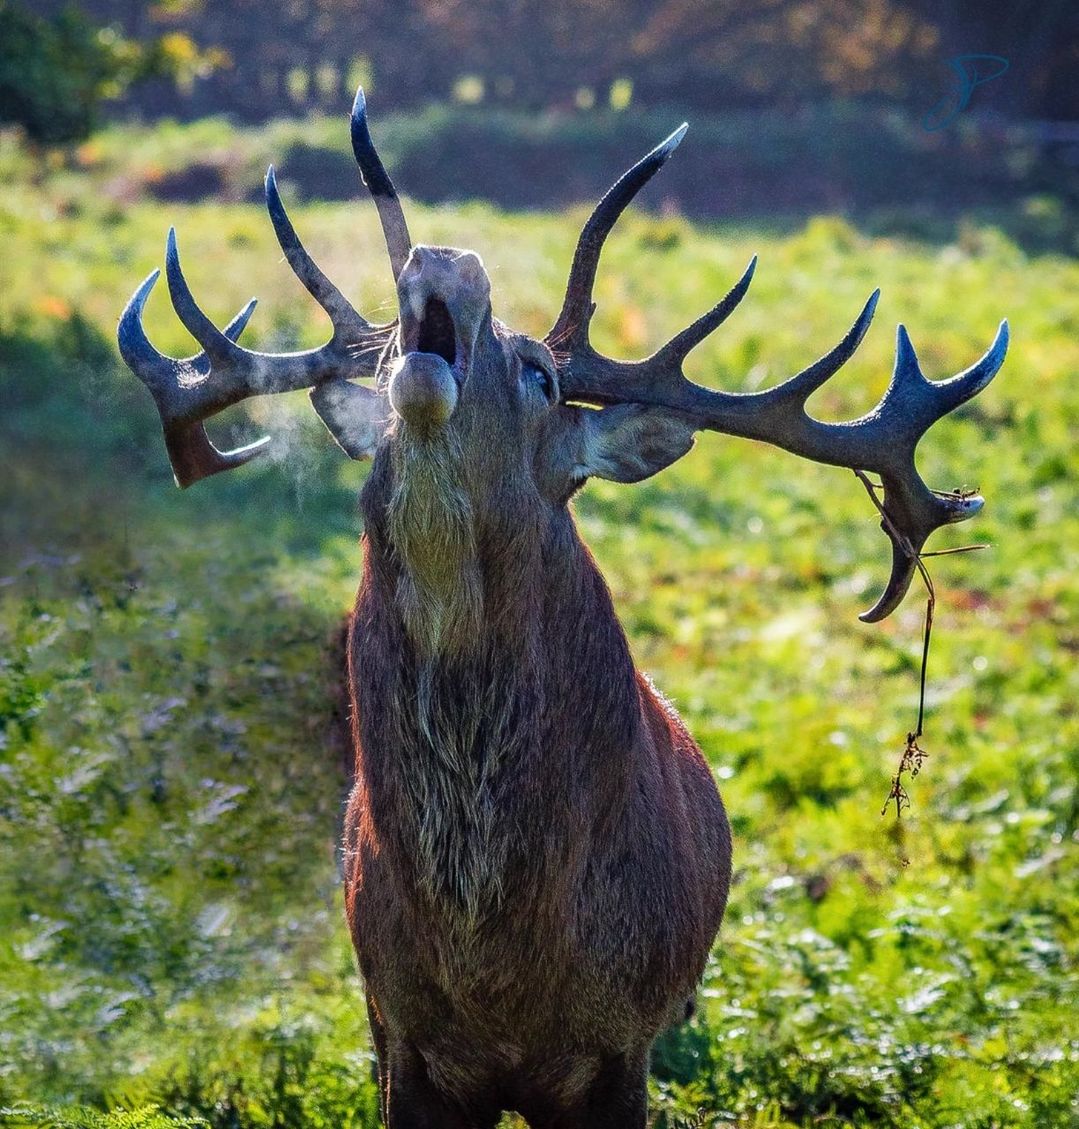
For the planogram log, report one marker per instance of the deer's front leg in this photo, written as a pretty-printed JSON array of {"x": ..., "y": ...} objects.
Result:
[
  {"x": 413, "y": 1102},
  {"x": 617, "y": 1098},
  {"x": 378, "y": 1037}
]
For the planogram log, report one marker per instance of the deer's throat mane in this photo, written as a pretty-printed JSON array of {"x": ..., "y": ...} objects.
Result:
[
  {"x": 466, "y": 544},
  {"x": 430, "y": 523},
  {"x": 457, "y": 600}
]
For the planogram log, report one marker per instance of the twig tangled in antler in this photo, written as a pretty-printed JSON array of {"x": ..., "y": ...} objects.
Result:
[{"x": 913, "y": 755}]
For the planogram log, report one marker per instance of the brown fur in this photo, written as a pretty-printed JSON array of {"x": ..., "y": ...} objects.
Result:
[{"x": 537, "y": 859}]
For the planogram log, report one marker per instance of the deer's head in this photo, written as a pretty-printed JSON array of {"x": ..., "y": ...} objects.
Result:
[{"x": 473, "y": 418}]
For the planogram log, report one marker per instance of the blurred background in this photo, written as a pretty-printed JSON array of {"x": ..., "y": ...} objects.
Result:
[
  {"x": 801, "y": 105},
  {"x": 172, "y": 765}
]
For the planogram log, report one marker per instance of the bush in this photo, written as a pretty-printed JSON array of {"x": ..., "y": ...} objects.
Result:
[{"x": 54, "y": 74}]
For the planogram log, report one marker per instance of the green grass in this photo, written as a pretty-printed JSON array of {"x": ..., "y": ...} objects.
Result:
[
  {"x": 171, "y": 772},
  {"x": 772, "y": 169}
]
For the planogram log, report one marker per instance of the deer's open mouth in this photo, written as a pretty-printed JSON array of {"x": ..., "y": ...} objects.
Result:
[
  {"x": 436, "y": 332},
  {"x": 427, "y": 378}
]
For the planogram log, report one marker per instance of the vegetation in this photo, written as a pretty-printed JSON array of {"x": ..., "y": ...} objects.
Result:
[
  {"x": 81, "y": 1117},
  {"x": 774, "y": 169},
  {"x": 55, "y": 74},
  {"x": 172, "y": 941},
  {"x": 538, "y": 54}
]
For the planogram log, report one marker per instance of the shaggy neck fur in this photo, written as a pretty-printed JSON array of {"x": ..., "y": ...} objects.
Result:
[
  {"x": 430, "y": 525},
  {"x": 463, "y": 635}
]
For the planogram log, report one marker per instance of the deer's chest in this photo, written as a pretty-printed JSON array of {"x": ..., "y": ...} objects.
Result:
[{"x": 440, "y": 749}]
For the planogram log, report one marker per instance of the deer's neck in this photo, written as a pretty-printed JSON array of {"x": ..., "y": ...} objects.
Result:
[{"x": 476, "y": 753}]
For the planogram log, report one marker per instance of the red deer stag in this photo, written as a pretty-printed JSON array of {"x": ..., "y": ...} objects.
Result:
[{"x": 537, "y": 855}]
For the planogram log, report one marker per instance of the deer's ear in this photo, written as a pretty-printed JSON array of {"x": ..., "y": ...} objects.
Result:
[
  {"x": 624, "y": 443},
  {"x": 355, "y": 416}
]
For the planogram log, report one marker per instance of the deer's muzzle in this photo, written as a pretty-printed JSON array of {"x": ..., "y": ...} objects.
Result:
[{"x": 444, "y": 297}]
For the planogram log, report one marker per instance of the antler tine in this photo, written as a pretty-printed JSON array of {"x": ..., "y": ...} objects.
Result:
[
  {"x": 682, "y": 344},
  {"x": 172, "y": 381},
  {"x": 214, "y": 343},
  {"x": 800, "y": 387},
  {"x": 571, "y": 327},
  {"x": 374, "y": 175},
  {"x": 188, "y": 391},
  {"x": 347, "y": 323}
]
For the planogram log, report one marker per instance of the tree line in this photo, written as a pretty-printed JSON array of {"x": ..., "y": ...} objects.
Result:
[{"x": 259, "y": 60}]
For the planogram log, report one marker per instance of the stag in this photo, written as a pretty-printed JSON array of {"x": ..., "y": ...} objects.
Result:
[{"x": 537, "y": 857}]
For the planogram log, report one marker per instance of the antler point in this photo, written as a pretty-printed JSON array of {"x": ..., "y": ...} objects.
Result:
[
  {"x": 906, "y": 359},
  {"x": 668, "y": 146}
]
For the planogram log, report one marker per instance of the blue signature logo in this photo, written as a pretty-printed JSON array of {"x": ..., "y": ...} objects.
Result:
[{"x": 971, "y": 71}]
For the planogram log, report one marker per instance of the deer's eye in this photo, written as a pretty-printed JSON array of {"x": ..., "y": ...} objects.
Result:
[{"x": 532, "y": 376}]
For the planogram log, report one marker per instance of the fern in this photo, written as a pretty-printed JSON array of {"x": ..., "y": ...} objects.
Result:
[{"x": 84, "y": 1117}]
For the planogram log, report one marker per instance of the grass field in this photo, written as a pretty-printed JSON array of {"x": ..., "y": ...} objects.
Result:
[{"x": 171, "y": 775}]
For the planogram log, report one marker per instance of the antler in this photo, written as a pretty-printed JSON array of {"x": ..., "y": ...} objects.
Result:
[
  {"x": 189, "y": 391},
  {"x": 882, "y": 441},
  {"x": 374, "y": 175}
]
